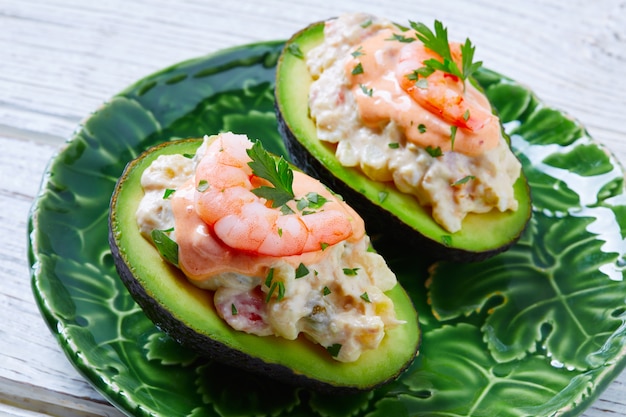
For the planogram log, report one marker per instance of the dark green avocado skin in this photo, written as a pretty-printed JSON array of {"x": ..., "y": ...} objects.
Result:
[
  {"x": 186, "y": 312},
  {"x": 484, "y": 238},
  {"x": 203, "y": 345}
]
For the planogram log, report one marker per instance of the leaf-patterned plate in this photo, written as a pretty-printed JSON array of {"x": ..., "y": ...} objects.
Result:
[{"x": 539, "y": 330}]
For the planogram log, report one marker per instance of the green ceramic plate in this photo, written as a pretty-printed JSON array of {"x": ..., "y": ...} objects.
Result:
[{"x": 539, "y": 330}]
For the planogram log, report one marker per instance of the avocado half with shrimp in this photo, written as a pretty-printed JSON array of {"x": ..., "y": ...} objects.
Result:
[
  {"x": 388, "y": 212},
  {"x": 187, "y": 313}
]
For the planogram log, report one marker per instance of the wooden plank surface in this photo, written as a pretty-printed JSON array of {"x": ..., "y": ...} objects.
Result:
[{"x": 60, "y": 59}]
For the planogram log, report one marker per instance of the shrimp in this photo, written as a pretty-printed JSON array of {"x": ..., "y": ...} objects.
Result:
[
  {"x": 445, "y": 94},
  {"x": 244, "y": 221}
]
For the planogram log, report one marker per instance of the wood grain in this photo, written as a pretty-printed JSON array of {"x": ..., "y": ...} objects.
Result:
[{"x": 61, "y": 59}]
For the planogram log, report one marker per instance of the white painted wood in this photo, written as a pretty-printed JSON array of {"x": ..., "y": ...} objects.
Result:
[{"x": 60, "y": 59}]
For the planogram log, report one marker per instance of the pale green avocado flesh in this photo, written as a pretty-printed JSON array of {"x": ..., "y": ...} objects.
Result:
[
  {"x": 386, "y": 210},
  {"x": 187, "y": 313}
]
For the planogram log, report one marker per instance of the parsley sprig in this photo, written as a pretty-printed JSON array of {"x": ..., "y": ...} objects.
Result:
[
  {"x": 277, "y": 172},
  {"x": 437, "y": 42},
  {"x": 167, "y": 247}
]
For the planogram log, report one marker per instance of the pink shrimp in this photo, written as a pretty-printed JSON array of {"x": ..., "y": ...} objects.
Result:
[
  {"x": 445, "y": 94},
  {"x": 247, "y": 222}
]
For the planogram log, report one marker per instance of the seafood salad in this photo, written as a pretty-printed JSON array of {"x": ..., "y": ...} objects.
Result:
[
  {"x": 283, "y": 254},
  {"x": 387, "y": 103}
]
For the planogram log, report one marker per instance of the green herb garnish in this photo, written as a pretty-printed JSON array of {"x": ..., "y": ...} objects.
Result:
[
  {"x": 294, "y": 49},
  {"x": 269, "y": 277},
  {"x": 434, "y": 152},
  {"x": 167, "y": 247},
  {"x": 400, "y": 38},
  {"x": 367, "y": 23},
  {"x": 334, "y": 349},
  {"x": 270, "y": 292},
  {"x": 285, "y": 209},
  {"x": 281, "y": 291},
  {"x": 358, "y": 69},
  {"x": 350, "y": 271},
  {"x": 316, "y": 201},
  {"x": 365, "y": 297},
  {"x": 326, "y": 291},
  {"x": 453, "y": 130},
  {"x": 419, "y": 75},
  {"x": 168, "y": 192},
  {"x": 274, "y": 285},
  {"x": 323, "y": 245},
  {"x": 278, "y": 173},
  {"x": 422, "y": 128},
  {"x": 301, "y": 271},
  {"x": 438, "y": 43},
  {"x": 463, "y": 180},
  {"x": 233, "y": 309},
  {"x": 359, "y": 52},
  {"x": 312, "y": 201},
  {"x": 394, "y": 145},
  {"x": 367, "y": 91},
  {"x": 202, "y": 186}
]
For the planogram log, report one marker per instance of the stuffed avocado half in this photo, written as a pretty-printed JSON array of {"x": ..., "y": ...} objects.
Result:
[
  {"x": 458, "y": 151},
  {"x": 184, "y": 304}
]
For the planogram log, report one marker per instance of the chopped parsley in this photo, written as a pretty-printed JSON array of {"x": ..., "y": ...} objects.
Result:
[
  {"x": 434, "y": 152},
  {"x": 365, "y": 297},
  {"x": 393, "y": 145},
  {"x": 167, "y": 247},
  {"x": 277, "y": 172},
  {"x": 285, "y": 209},
  {"x": 358, "y": 69},
  {"x": 401, "y": 38},
  {"x": 202, "y": 186},
  {"x": 453, "y": 130},
  {"x": 168, "y": 192},
  {"x": 281, "y": 291},
  {"x": 326, "y": 291},
  {"x": 367, "y": 91},
  {"x": 301, "y": 271},
  {"x": 269, "y": 277},
  {"x": 422, "y": 128},
  {"x": 233, "y": 309},
  {"x": 463, "y": 180},
  {"x": 334, "y": 349},
  {"x": 359, "y": 52},
  {"x": 294, "y": 49},
  {"x": 419, "y": 76},
  {"x": 270, "y": 292},
  {"x": 350, "y": 271},
  {"x": 311, "y": 201}
]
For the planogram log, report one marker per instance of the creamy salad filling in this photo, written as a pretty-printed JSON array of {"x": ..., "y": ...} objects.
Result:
[
  {"x": 333, "y": 295},
  {"x": 396, "y": 129}
]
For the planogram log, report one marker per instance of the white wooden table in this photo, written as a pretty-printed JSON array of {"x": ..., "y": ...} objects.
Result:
[{"x": 59, "y": 59}]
